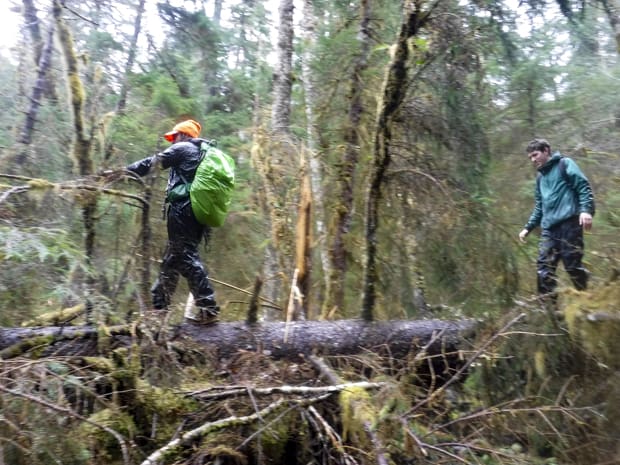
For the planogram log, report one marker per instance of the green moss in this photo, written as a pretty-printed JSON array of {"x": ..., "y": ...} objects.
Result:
[
  {"x": 356, "y": 410},
  {"x": 164, "y": 403},
  {"x": 99, "y": 364},
  {"x": 36, "y": 345},
  {"x": 273, "y": 441},
  {"x": 102, "y": 444},
  {"x": 593, "y": 320},
  {"x": 56, "y": 317},
  {"x": 163, "y": 400},
  {"x": 104, "y": 338},
  {"x": 40, "y": 184}
]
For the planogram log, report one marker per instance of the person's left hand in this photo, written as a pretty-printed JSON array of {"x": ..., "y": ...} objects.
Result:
[{"x": 585, "y": 220}]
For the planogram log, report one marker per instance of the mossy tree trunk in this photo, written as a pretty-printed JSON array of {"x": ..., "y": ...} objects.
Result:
[
  {"x": 393, "y": 92},
  {"x": 276, "y": 161},
  {"x": 81, "y": 150},
  {"x": 276, "y": 158},
  {"x": 343, "y": 208},
  {"x": 315, "y": 168},
  {"x": 303, "y": 246}
]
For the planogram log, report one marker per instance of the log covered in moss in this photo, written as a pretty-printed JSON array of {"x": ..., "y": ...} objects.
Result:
[{"x": 279, "y": 340}]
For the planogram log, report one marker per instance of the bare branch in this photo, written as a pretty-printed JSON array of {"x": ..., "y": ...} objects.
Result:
[
  {"x": 42, "y": 184},
  {"x": 301, "y": 390},
  {"x": 203, "y": 430}
]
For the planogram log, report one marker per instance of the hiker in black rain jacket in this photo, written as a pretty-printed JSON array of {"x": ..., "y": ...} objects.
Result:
[
  {"x": 564, "y": 207},
  {"x": 184, "y": 231}
]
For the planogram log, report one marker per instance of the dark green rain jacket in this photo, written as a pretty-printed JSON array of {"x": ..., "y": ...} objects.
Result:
[{"x": 561, "y": 193}]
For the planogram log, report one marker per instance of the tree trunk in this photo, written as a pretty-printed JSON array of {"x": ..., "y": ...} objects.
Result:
[
  {"x": 303, "y": 246},
  {"x": 312, "y": 137},
  {"x": 612, "y": 9},
  {"x": 131, "y": 57},
  {"x": 217, "y": 11},
  {"x": 82, "y": 142},
  {"x": 275, "y": 160},
  {"x": 33, "y": 24},
  {"x": 283, "y": 76},
  {"x": 395, "y": 338},
  {"x": 39, "y": 88},
  {"x": 271, "y": 174},
  {"x": 392, "y": 96},
  {"x": 346, "y": 176}
]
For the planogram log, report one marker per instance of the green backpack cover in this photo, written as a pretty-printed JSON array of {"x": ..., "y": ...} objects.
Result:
[{"x": 211, "y": 190}]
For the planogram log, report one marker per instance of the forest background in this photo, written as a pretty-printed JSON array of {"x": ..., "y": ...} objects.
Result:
[{"x": 395, "y": 130}]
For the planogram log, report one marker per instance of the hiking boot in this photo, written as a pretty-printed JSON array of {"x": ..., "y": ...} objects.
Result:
[{"x": 204, "y": 316}]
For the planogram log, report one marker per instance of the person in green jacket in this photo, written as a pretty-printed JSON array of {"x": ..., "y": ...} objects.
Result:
[{"x": 563, "y": 208}]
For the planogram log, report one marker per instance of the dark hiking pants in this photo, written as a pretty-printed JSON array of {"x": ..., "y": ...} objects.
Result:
[
  {"x": 182, "y": 258},
  {"x": 563, "y": 241}
]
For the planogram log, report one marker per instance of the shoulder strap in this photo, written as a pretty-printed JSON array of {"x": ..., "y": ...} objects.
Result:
[
  {"x": 563, "y": 167},
  {"x": 562, "y": 164},
  {"x": 563, "y": 170}
]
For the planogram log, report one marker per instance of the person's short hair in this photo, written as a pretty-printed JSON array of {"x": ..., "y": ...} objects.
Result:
[{"x": 537, "y": 145}]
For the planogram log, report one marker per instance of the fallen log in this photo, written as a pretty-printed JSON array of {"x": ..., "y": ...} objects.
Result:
[{"x": 279, "y": 340}]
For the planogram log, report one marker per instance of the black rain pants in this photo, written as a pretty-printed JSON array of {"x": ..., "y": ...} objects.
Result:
[
  {"x": 182, "y": 258},
  {"x": 563, "y": 241}
]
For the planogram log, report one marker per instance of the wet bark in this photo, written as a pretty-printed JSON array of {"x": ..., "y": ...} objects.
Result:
[
  {"x": 303, "y": 248},
  {"x": 395, "y": 338},
  {"x": 82, "y": 141},
  {"x": 309, "y": 38},
  {"x": 612, "y": 10},
  {"x": 280, "y": 165},
  {"x": 39, "y": 89},
  {"x": 32, "y": 22},
  {"x": 217, "y": 11},
  {"x": 343, "y": 209},
  {"x": 131, "y": 57},
  {"x": 392, "y": 97},
  {"x": 283, "y": 76}
]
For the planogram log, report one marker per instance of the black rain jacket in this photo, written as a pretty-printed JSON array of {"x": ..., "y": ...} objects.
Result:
[{"x": 181, "y": 158}]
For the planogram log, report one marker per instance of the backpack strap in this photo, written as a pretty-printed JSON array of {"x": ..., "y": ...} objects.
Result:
[
  {"x": 203, "y": 152},
  {"x": 563, "y": 168},
  {"x": 563, "y": 173}
]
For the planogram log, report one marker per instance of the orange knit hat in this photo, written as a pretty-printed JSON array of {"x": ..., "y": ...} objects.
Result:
[{"x": 190, "y": 127}]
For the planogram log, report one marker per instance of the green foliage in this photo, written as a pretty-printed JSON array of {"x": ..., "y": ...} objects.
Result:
[
  {"x": 101, "y": 443},
  {"x": 167, "y": 97},
  {"x": 36, "y": 264},
  {"x": 451, "y": 256},
  {"x": 101, "y": 44},
  {"x": 8, "y": 117}
]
